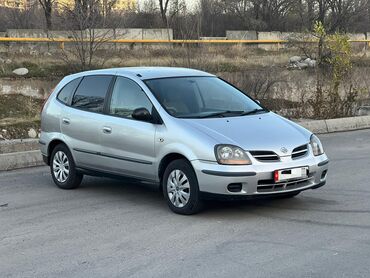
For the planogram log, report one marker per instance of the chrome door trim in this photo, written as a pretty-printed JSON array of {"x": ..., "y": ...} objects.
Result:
[{"x": 115, "y": 156}]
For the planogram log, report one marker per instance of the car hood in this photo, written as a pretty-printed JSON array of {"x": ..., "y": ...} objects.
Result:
[{"x": 266, "y": 131}]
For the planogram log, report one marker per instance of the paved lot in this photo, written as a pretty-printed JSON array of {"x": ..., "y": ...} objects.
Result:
[{"x": 111, "y": 229}]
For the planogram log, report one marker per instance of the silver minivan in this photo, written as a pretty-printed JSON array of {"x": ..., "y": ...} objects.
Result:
[{"x": 189, "y": 132}]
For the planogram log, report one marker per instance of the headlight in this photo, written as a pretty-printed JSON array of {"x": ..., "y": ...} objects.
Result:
[
  {"x": 316, "y": 145},
  {"x": 231, "y": 155}
]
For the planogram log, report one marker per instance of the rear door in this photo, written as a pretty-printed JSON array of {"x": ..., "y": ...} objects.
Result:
[
  {"x": 83, "y": 119},
  {"x": 128, "y": 143}
]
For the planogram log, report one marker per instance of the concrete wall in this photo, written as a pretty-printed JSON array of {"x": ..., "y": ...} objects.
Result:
[
  {"x": 3, "y": 47},
  {"x": 58, "y": 34},
  {"x": 132, "y": 33},
  {"x": 156, "y": 34},
  {"x": 35, "y": 48},
  {"x": 253, "y": 35},
  {"x": 241, "y": 35},
  {"x": 27, "y": 47},
  {"x": 213, "y": 38},
  {"x": 128, "y": 33},
  {"x": 269, "y": 36},
  {"x": 26, "y": 33},
  {"x": 358, "y": 46},
  {"x": 34, "y": 87}
]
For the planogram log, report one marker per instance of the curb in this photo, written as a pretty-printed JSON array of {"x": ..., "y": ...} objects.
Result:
[
  {"x": 18, "y": 145},
  {"x": 15, "y": 154},
  {"x": 337, "y": 125},
  {"x": 16, "y": 160}
]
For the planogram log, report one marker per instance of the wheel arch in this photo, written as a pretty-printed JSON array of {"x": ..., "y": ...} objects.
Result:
[
  {"x": 52, "y": 145},
  {"x": 166, "y": 160}
]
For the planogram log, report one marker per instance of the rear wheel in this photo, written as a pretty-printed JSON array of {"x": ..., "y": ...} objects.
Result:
[
  {"x": 180, "y": 188},
  {"x": 63, "y": 169}
]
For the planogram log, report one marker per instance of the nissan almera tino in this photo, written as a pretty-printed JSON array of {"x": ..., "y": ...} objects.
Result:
[{"x": 188, "y": 131}]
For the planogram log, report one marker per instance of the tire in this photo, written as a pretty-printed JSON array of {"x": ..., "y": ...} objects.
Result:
[
  {"x": 181, "y": 189},
  {"x": 67, "y": 177}
]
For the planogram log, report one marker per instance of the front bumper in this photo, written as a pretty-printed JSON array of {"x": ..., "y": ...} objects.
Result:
[{"x": 257, "y": 179}]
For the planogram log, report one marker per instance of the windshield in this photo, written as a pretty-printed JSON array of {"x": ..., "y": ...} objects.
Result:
[{"x": 201, "y": 97}]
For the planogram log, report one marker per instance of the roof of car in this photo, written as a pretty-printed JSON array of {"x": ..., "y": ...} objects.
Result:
[{"x": 150, "y": 72}]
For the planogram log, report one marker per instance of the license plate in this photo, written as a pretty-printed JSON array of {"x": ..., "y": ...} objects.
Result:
[{"x": 290, "y": 174}]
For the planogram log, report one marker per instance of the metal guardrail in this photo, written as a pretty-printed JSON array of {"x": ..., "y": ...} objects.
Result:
[
  {"x": 61, "y": 41},
  {"x": 7, "y": 39}
]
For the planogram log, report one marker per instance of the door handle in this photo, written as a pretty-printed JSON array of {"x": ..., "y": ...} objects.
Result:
[
  {"x": 66, "y": 121},
  {"x": 107, "y": 129}
]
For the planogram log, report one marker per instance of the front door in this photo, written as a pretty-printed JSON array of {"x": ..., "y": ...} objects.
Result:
[{"x": 128, "y": 144}]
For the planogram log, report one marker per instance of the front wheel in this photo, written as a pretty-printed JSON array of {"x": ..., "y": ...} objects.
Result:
[
  {"x": 63, "y": 169},
  {"x": 180, "y": 188}
]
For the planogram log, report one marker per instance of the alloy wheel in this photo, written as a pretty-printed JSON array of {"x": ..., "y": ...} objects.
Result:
[
  {"x": 61, "y": 166},
  {"x": 178, "y": 188}
]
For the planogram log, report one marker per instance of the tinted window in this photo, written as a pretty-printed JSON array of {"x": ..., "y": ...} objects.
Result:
[
  {"x": 91, "y": 93},
  {"x": 128, "y": 96},
  {"x": 68, "y": 90},
  {"x": 200, "y": 97}
]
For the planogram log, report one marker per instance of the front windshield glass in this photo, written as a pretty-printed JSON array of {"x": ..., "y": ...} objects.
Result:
[{"x": 201, "y": 97}]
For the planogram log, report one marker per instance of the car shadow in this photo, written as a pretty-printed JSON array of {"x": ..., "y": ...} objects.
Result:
[{"x": 150, "y": 195}]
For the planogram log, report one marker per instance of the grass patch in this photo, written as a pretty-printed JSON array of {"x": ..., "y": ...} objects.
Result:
[
  {"x": 212, "y": 58},
  {"x": 18, "y": 114},
  {"x": 35, "y": 70},
  {"x": 19, "y": 107},
  {"x": 19, "y": 129}
]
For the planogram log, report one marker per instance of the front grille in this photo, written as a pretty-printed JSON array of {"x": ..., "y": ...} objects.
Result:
[
  {"x": 299, "y": 152},
  {"x": 265, "y": 156},
  {"x": 268, "y": 186}
]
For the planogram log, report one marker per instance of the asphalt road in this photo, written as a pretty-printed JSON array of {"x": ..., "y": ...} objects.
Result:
[{"x": 107, "y": 228}]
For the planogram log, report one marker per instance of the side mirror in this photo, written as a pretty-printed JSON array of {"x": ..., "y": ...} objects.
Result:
[
  {"x": 142, "y": 114},
  {"x": 258, "y": 101}
]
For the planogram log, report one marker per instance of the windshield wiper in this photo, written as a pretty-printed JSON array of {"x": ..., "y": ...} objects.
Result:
[
  {"x": 220, "y": 113},
  {"x": 225, "y": 113},
  {"x": 254, "y": 111}
]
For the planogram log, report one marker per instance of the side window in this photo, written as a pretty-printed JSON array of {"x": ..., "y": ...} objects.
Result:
[
  {"x": 126, "y": 97},
  {"x": 67, "y": 91},
  {"x": 91, "y": 92}
]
